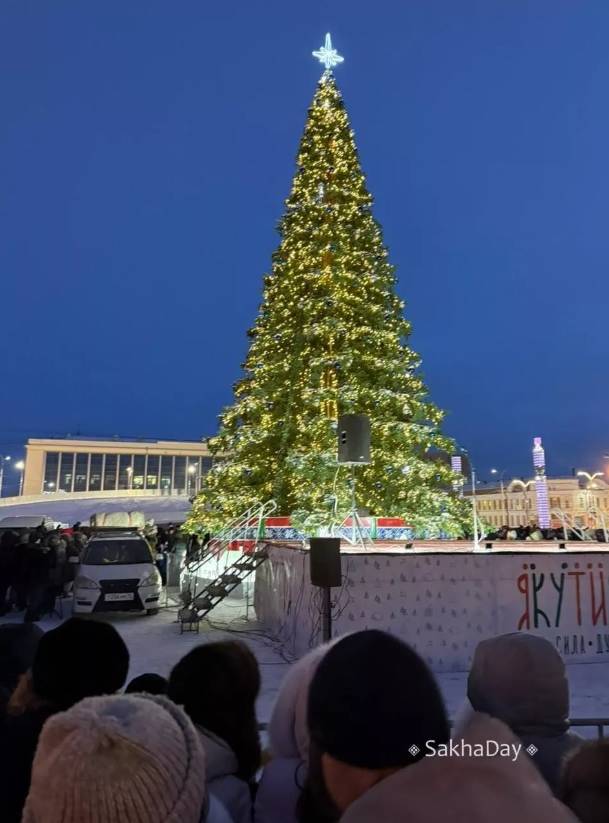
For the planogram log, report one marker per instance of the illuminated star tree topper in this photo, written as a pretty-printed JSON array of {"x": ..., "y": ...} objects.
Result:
[{"x": 327, "y": 55}]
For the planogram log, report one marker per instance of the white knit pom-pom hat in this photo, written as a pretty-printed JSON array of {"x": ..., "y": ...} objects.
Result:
[{"x": 119, "y": 759}]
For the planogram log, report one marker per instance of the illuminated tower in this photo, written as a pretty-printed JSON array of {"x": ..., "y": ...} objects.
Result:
[{"x": 541, "y": 484}]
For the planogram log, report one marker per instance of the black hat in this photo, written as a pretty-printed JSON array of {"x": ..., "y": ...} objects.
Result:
[
  {"x": 80, "y": 658},
  {"x": 148, "y": 683},
  {"x": 372, "y": 701}
]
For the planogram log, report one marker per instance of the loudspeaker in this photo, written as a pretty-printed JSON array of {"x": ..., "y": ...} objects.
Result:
[
  {"x": 324, "y": 562},
  {"x": 354, "y": 439}
]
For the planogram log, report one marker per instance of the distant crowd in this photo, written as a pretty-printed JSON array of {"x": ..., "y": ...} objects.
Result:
[
  {"x": 533, "y": 532},
  {"x": 38, "y": 566},
  {"x": 359, "y": 733}
]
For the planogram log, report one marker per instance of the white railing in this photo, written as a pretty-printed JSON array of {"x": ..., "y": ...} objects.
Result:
[
  {"x": 237, "y": 529},
  {"x": 568, "y": 524}
]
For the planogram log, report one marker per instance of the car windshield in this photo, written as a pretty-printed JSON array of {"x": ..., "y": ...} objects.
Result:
[{"x": 117, "y": 553}]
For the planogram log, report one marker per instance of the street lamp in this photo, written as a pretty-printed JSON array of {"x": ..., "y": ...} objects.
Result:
[
  {"x": 3, "y": 459},
  {"x": 525, "y": 493},
  {"x": 590, "y": 477},
  {"x": 472, "y": 470},
  {"x": 503, "y": 497},
  {"x": 191, "y": 472},
  {"x": 130, "y": 478},
  {"x": 590, "y": 485},
  {"x": 20, "y": 466}
]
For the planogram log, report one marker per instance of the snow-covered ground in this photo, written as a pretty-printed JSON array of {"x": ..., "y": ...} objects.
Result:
[
  {"x": 70, "y": 509},
  {"x": 155, "y": 645}
]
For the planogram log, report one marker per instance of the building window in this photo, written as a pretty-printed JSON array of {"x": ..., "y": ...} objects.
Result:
[
  {"x": 125, "y": 469},
  {"x": 206, "y": 464},
  {"x": 51, "y": 469},
  {"x": 179, "y": 476},
  {"x": 139, "y": 471},
  {"x": 166, "y": 472},
  {"x": 95, "y": 474},
  {"x": 66, "y": 471},
  {"x": 80, "y": 472},
  {"x": 110, "y": 469},
  {"x": 152, "y": 472}
]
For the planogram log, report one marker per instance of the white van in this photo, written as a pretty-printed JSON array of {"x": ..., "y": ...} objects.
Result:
[{"x": 117, "y": 572}]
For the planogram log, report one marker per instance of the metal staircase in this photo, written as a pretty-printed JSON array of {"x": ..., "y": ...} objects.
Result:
[{"x": 248, "y": 526}]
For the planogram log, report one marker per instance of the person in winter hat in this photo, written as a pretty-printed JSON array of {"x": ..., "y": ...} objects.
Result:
[
  {"x": 148, "y": 683},
  {"x": 584, "y": 782},
  {"x": 373, "y": 704},
  {"x": 465, "y": 788},
  {"x": 520, "y": 679},
  {"x": 119, "y": 759},
  {"x": 283, "y": 777},
  {"x": 217, "y": 684},
  {"x": 18, "y": 644},
  {"x": 80, "y": 658}
]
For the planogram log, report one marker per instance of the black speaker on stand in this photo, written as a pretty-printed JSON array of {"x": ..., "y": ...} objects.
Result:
[
  {"x": 354, "y": 450},
  {"x": 326, "y": 574}
]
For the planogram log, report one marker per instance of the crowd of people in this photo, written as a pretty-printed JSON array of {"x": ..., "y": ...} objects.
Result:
[
  {"x": 359, "y": 733},
  {"x": 36, "y": 566},
  {"x": 533, "y": 532}
]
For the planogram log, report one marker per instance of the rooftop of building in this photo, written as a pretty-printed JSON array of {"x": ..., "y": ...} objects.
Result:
[{"x": 78, "y": 438}]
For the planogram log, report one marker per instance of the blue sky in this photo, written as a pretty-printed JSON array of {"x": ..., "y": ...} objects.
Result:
[{"x": 145, "y": 153}]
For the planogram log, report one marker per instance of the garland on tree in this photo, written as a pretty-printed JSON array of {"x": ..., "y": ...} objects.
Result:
[{"x": 330, "y": 339}]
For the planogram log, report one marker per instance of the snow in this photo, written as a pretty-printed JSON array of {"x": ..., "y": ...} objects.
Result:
[{"x": 155, "y": 645}]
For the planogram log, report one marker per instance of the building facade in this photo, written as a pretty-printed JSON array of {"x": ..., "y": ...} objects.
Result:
[
  {"x": 579, "y": 502},
  {"x": 95, "y": 465}
]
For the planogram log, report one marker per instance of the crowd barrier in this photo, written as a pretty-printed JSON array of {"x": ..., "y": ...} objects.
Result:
[{"x": 598, "y": 723}]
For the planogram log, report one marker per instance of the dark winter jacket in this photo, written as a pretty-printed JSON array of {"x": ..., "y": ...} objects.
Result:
[
  {"x": 18, "y": 644},
  {"x": 38, "y": 563},
  {"x": 18, "y": 740},
  {"x": 8, "y": 550},
  {"x": 520, "y": 679}
]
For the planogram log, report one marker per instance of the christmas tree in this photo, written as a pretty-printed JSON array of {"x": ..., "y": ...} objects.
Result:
[{"x": 330, "y": 339}]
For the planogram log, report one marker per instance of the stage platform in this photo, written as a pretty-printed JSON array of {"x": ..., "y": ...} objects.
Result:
[{"x": 443, "y": 598}]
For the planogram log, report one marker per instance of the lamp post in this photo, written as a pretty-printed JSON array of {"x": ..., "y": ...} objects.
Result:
[
  {"x": 503, "y": 497},
  {"x": 192, "y": 469},
  {"x": 475, "y": 509},
  {"x": 474, "y": 501},
  {"x": 4, "y": 458},
  {"x": 20, "y": 466},
  {"x": 130, "y": 478},
  {"x": 525, "y": 493},
  {"x": 590, "y": 485}
]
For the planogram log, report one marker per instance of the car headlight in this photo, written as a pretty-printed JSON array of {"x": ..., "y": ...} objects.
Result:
[
  {"x": 152, "y": 579},
  {"x": 85, "y": 583}
]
